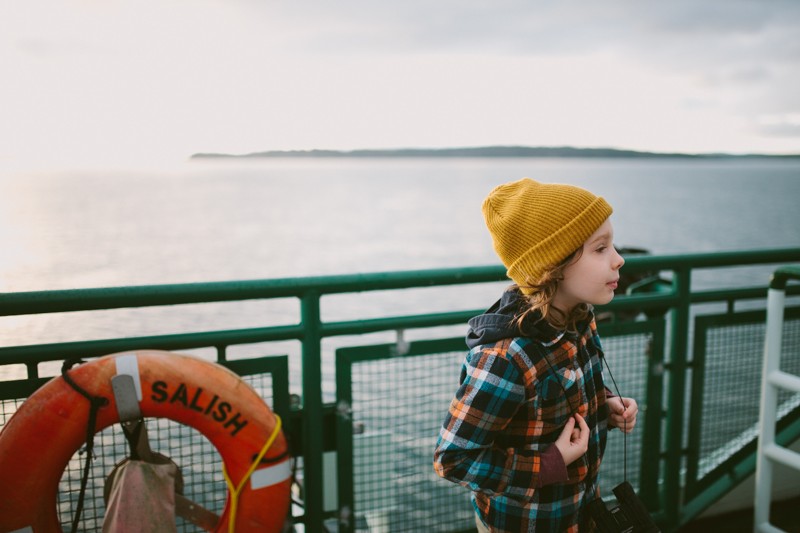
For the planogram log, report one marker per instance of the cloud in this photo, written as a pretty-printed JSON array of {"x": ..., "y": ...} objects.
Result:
[
  {"x": 741, "y": 56},
  {"x": 719, "y": 43},
  {"x": 526, "y": 26},
  {"x": 135, "y": 79},
  {"x": 786, "y": 125}
]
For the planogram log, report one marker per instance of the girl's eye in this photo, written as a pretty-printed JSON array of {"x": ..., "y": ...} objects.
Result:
[{"x": 601, "y": 248}]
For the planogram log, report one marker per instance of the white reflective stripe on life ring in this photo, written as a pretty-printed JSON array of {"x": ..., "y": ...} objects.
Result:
[
  {"x": 271, "y": 475},
  {"x": 129, "y": 365}
]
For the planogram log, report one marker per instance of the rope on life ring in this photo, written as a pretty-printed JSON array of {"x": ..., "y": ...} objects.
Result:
[
  {"x": 235, "y": 490},
  {"x": 39, "y": 440}
]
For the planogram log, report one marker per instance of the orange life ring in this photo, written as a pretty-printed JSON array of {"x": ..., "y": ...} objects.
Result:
[{"x": 39, "y": 440}]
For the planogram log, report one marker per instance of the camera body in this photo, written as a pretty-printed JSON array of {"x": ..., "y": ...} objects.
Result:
[{"x": 630, "y": 516}]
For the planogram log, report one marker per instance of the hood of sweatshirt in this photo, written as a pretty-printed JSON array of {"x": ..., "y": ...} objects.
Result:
[{"x": 498, "y": 323}]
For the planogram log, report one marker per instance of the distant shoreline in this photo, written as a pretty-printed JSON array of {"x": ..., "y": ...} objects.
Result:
[{"x": 488, "y": 152}]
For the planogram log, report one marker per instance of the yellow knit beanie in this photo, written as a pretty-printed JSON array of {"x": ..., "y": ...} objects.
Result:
[{"x": 535, "y": 226}]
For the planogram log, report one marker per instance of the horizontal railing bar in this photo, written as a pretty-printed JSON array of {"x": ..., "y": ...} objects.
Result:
[
  {"x": 781, "y": 455},
  {"x": 700, "y": 261},
  {"x": 47, "y": 352},
  {"x": 57, "y": 351},
  {"x": 23, "y": 303},
  {"x": 784, "y": 380},
  {"x": 641, "y": 301},
  {"x": 742, "y": 293},
  {"x": 54, "y": 351},
  {"x": 357, "y": 327},
  {"x": 37, "y": 353},
  {"x": 782, "y": 276}
]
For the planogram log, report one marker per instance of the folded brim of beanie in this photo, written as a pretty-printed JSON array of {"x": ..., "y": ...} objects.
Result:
[{"x": 548, "y": 253}]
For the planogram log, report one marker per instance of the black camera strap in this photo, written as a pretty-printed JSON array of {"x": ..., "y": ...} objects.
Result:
[{"x": 624, "y": 422}]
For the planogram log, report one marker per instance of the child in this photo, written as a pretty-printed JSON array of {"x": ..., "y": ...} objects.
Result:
[{"x": 527, "y": 428}]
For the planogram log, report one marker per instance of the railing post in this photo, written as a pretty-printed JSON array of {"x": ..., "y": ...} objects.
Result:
[
  {"x": 650, "y": 466},
  {"x": 312, "y": 411},
  {"x": 679, "y": 337}
]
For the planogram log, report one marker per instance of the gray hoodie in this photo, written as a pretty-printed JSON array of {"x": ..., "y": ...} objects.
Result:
[{"x": 498, "y": 323}]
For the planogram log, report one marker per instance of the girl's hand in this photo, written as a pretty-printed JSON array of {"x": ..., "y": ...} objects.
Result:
[
  {"x": 622, "y": 413},
  {"x": 573, "y": 442}
]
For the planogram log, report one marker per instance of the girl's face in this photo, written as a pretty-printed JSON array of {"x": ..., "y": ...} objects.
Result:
[{"x": 594, "y": 276}]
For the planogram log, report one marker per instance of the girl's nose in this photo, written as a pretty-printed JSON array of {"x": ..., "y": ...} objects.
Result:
[{"x": 619, "y": 261}]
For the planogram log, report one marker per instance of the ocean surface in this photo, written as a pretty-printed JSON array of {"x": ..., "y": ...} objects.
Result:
[
  {"x": 253, "y": 219},
  {"x": 224, "y": 220}
]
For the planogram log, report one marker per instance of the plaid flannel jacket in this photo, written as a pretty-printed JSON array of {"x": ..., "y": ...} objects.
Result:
[{"x": 510, "y": 407}]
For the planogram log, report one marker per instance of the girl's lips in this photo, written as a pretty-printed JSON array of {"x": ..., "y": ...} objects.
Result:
[{"x": 613, "y": 284}]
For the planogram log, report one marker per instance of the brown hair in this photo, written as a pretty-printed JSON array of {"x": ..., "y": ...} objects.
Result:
[{"x": 541, "y": 293}]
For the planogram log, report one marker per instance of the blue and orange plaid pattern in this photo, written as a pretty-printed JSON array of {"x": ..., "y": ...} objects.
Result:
[{"x": 509, "y": 408}]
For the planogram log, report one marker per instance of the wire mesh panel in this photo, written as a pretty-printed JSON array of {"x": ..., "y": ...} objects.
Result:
[
  {"x": 198, "y": 461},
  {"x": 8, "y": 408},
  {"x": 728, "y": 357},
  {"x": 14, "y": 393},
  {"x": 392, "y": 409},
  {"x": 790, "y": 355}
]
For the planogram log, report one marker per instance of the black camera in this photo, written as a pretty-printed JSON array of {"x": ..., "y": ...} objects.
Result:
[{"x": 630, "y": 516}]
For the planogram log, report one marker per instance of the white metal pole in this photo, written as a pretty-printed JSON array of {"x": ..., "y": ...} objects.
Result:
[{"x": 768, "y": 409}]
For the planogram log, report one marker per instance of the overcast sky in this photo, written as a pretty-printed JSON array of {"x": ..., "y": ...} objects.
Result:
[{"x": 102, "y": 82}]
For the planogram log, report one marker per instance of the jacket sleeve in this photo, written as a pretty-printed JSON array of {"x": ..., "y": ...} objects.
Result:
[{"x": 490, "y": 394}]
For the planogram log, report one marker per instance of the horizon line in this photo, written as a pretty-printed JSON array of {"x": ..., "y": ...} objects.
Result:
[{"x": 487, "y": 151}]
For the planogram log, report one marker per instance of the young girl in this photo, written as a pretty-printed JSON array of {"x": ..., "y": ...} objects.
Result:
[{"x": 527, "y": 427}]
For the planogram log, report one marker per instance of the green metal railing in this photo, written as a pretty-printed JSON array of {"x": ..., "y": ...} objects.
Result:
[{"x": 666, "y": 440}]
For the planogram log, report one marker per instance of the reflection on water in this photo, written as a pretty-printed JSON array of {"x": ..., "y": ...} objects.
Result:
[{"x": 211, "y": 221}]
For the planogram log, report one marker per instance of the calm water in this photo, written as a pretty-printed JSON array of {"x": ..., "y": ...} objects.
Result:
[
  {"x": 221, "y": 221},
  {"x": 209, "y": 221}
]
